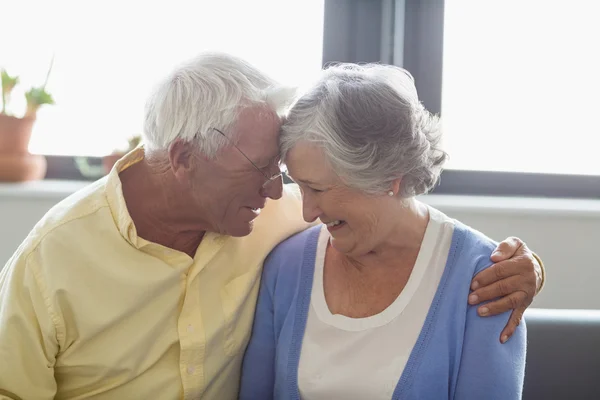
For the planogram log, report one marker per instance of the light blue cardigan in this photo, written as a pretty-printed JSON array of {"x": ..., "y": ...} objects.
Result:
[{"x": 457, "y": 355}]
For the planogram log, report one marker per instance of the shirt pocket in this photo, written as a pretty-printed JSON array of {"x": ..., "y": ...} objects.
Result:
[{"x": 238, "y": 299}]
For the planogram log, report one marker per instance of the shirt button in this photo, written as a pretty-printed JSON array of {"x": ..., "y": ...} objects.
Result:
[
  {"x": 190, "y": 328},
  {"x": 190, "y": 370}
]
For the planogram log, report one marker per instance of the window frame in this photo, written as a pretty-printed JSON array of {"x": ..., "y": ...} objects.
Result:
[
  {"x": 419, "y": 25},
  {"x": 408, "y": 33}
]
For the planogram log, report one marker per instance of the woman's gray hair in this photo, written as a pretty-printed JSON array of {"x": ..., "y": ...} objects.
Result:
[
  {"x": 204, "y": 93},
  {"x": 372, "y": 128}
]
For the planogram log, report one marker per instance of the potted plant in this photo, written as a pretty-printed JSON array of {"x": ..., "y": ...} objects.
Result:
[
  {"x": 109, "y": 161},
  {"x": 95, "y": 171},
  {"x": 16, "y": 163}
]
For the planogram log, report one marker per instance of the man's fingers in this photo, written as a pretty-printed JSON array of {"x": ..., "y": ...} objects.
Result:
[
  {"x": 501, "y": 288},
  {"x": 511, "y": 302},
  {"x": 495, "y": 273},
  {"x": 515, "y": 319},
  {"x": 506, "y": 249}
]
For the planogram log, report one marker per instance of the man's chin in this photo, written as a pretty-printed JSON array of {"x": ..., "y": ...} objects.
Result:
[{"x": 241, "y": 229}]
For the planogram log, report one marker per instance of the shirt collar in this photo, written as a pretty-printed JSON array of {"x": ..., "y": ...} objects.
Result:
[
  {"x": 116, "y": 200},
  {"x": 123, "y": 221}
]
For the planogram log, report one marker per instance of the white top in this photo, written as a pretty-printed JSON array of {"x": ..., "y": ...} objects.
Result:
[{"x": 363, "y": 358}]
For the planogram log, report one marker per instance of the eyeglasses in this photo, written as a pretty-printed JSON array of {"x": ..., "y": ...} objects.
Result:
[{"x": 268, "y": 179}]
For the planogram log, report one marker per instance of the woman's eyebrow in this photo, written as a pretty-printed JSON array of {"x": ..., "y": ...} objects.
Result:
[{"x": 305, "y": 181}]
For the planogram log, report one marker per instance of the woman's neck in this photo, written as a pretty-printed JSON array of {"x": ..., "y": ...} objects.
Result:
[
  {"x": 359, "y": 287},
  {"x": 402, "y": 241}
]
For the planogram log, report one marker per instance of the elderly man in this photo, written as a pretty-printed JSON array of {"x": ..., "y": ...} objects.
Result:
[{"x": 143, "y": 285}]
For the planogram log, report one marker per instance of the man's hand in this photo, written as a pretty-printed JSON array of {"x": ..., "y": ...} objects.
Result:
[{"x": 513, "y": 280}]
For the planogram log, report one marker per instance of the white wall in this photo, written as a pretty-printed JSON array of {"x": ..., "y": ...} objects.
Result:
[{"x": 565, "y": 233}]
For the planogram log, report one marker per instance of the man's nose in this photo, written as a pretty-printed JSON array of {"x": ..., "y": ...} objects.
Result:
[{"x": 273, "y": 189}]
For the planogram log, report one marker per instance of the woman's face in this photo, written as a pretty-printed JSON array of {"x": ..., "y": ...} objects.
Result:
[{"x": 356, "y": 220}]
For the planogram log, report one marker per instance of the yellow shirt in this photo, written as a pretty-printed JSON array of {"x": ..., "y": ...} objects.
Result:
[{"x": 90, "y": 310}]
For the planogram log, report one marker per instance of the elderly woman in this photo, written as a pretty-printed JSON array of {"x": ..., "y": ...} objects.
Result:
[{"x": 370, "y": 304}]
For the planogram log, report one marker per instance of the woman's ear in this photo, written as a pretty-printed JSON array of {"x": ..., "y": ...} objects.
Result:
[{"x": 396, "y": 186}]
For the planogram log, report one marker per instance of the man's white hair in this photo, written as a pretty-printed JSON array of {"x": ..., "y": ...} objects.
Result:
[{"x": 205, "y": 93}]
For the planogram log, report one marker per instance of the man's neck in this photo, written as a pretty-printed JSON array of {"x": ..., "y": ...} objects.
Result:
[{"x": 161, "y": 212}]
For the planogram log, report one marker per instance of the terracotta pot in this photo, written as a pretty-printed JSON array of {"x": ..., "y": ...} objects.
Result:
[
  {"x": 20, "y": 167},
  {"x": 108, "y": 162},
  {"x": 15, "y": 134}
]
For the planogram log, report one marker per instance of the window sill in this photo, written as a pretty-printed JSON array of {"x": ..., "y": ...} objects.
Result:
[
  {"x": 44, "y": 189},
  {"x": 523, "y": 206},
  {"x": 526, "y": 206}
]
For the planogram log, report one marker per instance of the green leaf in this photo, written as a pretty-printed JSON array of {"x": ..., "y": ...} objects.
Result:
[
  {"x": 8, "y": 82},
  {"x": 38, "y": 97}
]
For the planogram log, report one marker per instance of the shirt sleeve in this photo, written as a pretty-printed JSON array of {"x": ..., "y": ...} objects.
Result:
[
  {"x": 258, "y": 367},
  {"x": 488, "y": 369},
  {"x": 28, "y": 339}
]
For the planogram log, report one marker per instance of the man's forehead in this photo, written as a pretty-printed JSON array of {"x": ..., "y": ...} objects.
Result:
[
  {"x": 258, "y": 125},
  {"x": 258, "y": 115},
  {"x": 258, "y": 131}
]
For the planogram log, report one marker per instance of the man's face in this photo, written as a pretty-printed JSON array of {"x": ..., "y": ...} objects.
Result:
[{"x": 230, "y": 189}]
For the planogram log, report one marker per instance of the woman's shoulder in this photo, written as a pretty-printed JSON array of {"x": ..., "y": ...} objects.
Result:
[
  {"x": 295, "y": 245},
  {"x": 468, "y": 246},
  {"x": 472, "y": 246}
]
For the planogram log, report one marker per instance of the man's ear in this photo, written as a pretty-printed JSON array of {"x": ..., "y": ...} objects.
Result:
[{"x": 181, "y": 160}]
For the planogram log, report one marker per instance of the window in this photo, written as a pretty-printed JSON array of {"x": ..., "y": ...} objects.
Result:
[
  {"x": 108, "y": 54},
  {"x": 521, "y": 86}
]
